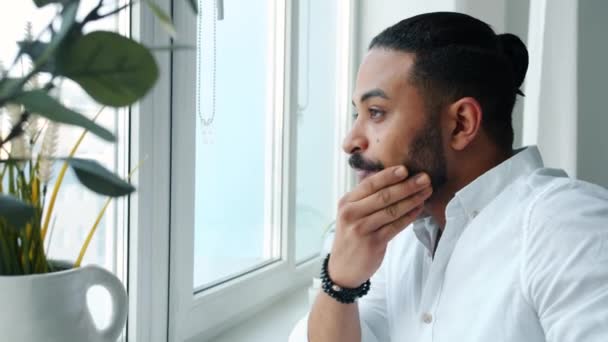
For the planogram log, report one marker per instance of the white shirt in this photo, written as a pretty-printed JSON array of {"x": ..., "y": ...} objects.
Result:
[{"x": 523, "y": 258}]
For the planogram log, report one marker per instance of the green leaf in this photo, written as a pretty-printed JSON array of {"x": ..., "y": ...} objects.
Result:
[
  {"x": 35, "y": 50},
  {"x": 114, "y": 70},
  {"x": 68, "y": 19},
  {"x": 8, "y": 85},
  {"x": 163, "y": 17},
  {"x": 16, "y": 212},
  {"x": 41, "y": 3},
  {"x": 98, "y": 179},
  {"x": 41, "y": 103},
  {"x": 193, "y": 5}
]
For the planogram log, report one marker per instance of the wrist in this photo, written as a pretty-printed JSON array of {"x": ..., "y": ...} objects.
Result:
[
  {"x": 342, "y": 274},
  {"x": 342, "y": 294}
]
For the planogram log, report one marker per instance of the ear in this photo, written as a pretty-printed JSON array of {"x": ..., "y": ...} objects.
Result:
[{"x": 465, "y": 122}]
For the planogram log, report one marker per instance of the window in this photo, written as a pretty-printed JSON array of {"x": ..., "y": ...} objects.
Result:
[
  {"x": 69, "y": 227},
  {"x": 236, "y": 158},
  {"x": 317, "y": 136},
  {"x": 258, "y": 111},
  {"x": 242, "y": 168}
]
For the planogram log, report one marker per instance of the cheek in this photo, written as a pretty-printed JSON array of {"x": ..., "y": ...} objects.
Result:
[
  {"x": 390, "y": 142},
  {"x": 391, "y": 149},
  {"x": 399, "y": 150}
]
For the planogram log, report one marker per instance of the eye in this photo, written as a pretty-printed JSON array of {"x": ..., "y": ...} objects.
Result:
[{"x": 375, "y": 113}]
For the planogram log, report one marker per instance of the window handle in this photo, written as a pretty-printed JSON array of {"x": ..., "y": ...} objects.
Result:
[{"x": 220, "y": 9}]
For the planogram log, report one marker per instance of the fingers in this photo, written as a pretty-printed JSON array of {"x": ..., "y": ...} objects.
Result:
[
  {"x": 380, "y": 180},
  {"x": 395, "y": 211},
  {"x": 369, "y": 216},
  {"x": 384, "y": 198}
]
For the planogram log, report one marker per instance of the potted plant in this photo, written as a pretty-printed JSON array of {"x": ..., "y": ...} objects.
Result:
[{"x": 42, "y": 299}]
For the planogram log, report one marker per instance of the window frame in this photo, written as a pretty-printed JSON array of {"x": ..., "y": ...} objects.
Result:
[
  {"x": 150, "y": 142},
  {"x": 163, "y": 306}
]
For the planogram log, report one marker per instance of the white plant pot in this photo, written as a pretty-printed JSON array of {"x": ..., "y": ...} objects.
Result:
[{"x": 53, "y": 307}]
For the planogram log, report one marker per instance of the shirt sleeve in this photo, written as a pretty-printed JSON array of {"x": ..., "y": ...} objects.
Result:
[
  {"x": 565, "y": 262},
  {"x": 373, "y": 309}
]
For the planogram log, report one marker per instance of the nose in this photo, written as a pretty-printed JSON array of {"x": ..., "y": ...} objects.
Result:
[{"x": 355, "y": 140}]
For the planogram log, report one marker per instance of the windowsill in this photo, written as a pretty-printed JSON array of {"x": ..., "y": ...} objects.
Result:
[{"x": 272, "y": 324}]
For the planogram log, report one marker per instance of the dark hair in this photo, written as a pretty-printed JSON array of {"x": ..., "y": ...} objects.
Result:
[{"x": 456, "y": 55}]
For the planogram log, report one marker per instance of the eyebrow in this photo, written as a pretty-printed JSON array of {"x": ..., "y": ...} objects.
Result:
[{"x": 372, "y": 93}]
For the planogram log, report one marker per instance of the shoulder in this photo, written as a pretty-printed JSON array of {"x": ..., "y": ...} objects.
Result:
[
  {"x": 565, "y": 238},
  {"x": 565, "y": 217},
  {"x": 554, "y": 197}
]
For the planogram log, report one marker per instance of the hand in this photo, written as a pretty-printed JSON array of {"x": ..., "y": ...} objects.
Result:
[{"x": 378, "y": 209}]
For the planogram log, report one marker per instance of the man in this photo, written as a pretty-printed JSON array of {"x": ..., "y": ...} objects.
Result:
[{"x": 501, "y": 248}]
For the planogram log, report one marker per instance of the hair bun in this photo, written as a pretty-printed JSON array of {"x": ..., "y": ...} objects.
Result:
[{"x": 517, "y": 54}]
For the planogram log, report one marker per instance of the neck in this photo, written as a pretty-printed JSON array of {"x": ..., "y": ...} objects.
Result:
[{"x": 469, "y": 168}]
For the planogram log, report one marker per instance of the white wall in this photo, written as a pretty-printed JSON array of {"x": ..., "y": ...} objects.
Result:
[
  {"x": 516, "y": 22},
  {"x": 550, "y": 109},
  {"x": 376, "y": 15},
  {"x": 592, "y": 92}
]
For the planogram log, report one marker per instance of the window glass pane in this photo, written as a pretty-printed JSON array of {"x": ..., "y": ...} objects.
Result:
[
  {"x": 316, "y": 145},
  {"x": 233, "y": 226},
  {"x": 76, "y": 208}
]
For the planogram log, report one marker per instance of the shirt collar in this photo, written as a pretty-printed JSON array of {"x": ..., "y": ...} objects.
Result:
[{"x": 474, "y": 197}]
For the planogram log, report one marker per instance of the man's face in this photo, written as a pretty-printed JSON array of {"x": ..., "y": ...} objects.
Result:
[{"x": 393, "y": 126}]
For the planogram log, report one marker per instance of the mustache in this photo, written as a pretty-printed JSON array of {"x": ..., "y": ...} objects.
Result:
[{"x": 357, "y": 161}]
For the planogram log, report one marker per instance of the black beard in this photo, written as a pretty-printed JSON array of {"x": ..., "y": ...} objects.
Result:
[{"x": 426, "y": 154}]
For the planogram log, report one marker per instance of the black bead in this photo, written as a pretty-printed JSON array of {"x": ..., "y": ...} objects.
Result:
[{"x": 345, "y": 295}]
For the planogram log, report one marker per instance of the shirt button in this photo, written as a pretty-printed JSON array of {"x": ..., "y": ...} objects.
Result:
[{"x": 427, "y": 318}]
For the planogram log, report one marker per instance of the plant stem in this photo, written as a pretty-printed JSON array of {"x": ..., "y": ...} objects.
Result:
[
  {"x": 11, "y": 178},
  {"x": 23, "y": 186},
  {"x": 94, "y": 14},
  {"x": 85, "y": 246},
  {"x": 37, "y": 249},
  {"x": 64, "y": 167},
  {"x": 6, "y": 257},
  {"x": 2, "y": 174},
  {"x": 87, "y": 241},
  {"x": 17, "y": 130},
  {"x": 2, "y": 179},
  {"x": 14, "y": 252},
  {"x": 25, "y": 249}
]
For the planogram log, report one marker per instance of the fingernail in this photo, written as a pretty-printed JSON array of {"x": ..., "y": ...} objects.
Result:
[
  {"x": 400, "y": 171},
  {"x": 422, "y": 179}
]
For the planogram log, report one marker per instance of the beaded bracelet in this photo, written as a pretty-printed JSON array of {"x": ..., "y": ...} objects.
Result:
[{"x": 341, "y": 294}]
